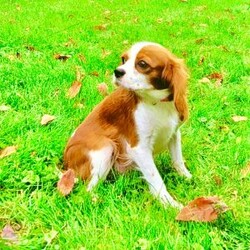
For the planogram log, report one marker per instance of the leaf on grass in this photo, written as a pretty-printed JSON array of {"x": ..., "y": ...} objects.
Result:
[
  {"x": 245, "y": 171},
  {"x": 7, "y": 151},
  {"x": 4, "y": 108},
  {"x": 218, "y": 77},
  {"x": 66, "y": 182},
  {"x": 94, "y": 73},
  {"x": 103, "y": 89},
  {"x": 30, "y": 48},
  {"x": 82, "y": 57},
  {"x": 62, "y": 57},
  {"x": 8, "y": 233},
  {"x": 204, "y": 80},
  {"x": 74, "y": 89},
  {"x": 238, "y": 118},
  {"x": 100, "y": 27},
  {"x": 79, "y": 74},
  {"x": 46, "y": 119},
  {"x": 203, "y": 209}
]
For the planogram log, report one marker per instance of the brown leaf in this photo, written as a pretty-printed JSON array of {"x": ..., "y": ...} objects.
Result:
[
  {"x": 245, "y": 171},
  {"x": 74, "y": 89},
  {"x": 30, "y": 48},
  {"x": 199, "y": 41},
  {"x": 66, "y": 183},
  {"x": 7, "y": 151},
  {"x": 9, "y": 234},
  {"x": 216, "y": 76},
  {"x": 4, "y": 108},
  {"x": 70, "y": 43},
  {"x": 100, "y": 27},
  {"x": 203, "y": 209},
  {"x": 201, "y": 61},
  {"x": 103, "y": 89},
  {"x": 79, "y": 74},
  {"x": 94, "y": 73},
  {"x": 47, "y": 119},
  {"x": 82, "y": 57},
  {"x": 62, "y": 57},
  {"x": 238, "y": 118}
]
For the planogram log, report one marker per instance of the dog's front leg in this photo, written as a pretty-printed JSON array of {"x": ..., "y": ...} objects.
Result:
[
  {"x": 144, "y": 160},
  {"x": 176, "y": 154}
]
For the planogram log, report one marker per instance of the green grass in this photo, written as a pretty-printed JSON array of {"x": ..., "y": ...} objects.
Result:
[{"x": 120, "y": 213}]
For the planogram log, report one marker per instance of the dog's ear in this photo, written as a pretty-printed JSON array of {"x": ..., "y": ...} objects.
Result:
[{"x": 175, "y": 74}]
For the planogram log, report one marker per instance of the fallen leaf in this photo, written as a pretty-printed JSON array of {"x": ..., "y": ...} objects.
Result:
[
  {"x": 217, "y": 180},
  {"x": 94, "y": 73},
  {"x": 9, "y": 234},
  {"x": 199, "y": 41},
  {"x": 245, "y": 171},
  {"x": 70, "y": 43},
  {"x": 103, "y": 89},
  {"x": 82, "y": 57},
  {"x": 100, "y": 27},
  {"x": 238, "y": 118},
  {"x": 66, "y": 182},
  {"x": 47, "y": 119},
  {"x": 203, "y": 209},
  {"x": 74, "y": 89},
  {"x": 62, "y": 57},
  {"x": 204, "y": 80},
  {"x": 79, "y": 105},
  {"x": 30, "y": 48},
  {"x": 7, "y": 151},
  {"x": 79, "y": 74},
  {"x": 4, "y": 108},
  {"x": 216, "y": 76}
]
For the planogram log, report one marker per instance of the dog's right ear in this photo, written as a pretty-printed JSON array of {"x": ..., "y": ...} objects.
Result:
[{"x": 175, "y": 74}]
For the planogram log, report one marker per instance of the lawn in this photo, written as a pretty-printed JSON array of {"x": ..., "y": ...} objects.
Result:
[{"x": 212, "y": 37}]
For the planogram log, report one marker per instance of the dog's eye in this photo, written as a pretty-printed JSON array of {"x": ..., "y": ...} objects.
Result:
[
  {"x": 123, "y": 60},
  {"x": 142, "y": 64}
]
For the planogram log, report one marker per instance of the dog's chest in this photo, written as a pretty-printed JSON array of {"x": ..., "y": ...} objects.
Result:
[{"x": 156, "y": 124}]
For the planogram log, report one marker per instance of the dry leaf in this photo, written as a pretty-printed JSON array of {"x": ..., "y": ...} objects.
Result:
[
  {"x": 103, "y": 89},
  {"x": 203, "y": 209},
  {"x": 201, "y": 61},
  {"x": 204, "y": 80},
  {"x": 47, "y": 119},
  {"x": 94, "y": 73},
  {"x": 66, "y": 183},
  {"x": 4, "y": 108},
  {"x": 82, "y": 57},
  {"x": 9, "y": 234},
  {"x": 101, "y": 27},
  {"x": 62, "y": 57},
  {"x": 199, "y": 41},
  {"x": 237, "y": 118},
  {"x": 70, "y": 43},
  {"x": 74, "y": 89},
  {"x": 79, "y": 74},
  {"x": 49, "y": 237},
  {"x": 215, "y": 76},
  {"x": 30, "y": 48},
  {"x": 7, "y": 151},
  {"x": 245, "y": 171}
]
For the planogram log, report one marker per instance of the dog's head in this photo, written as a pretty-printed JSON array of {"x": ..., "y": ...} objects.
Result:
[{"x": 149, "y": 66}]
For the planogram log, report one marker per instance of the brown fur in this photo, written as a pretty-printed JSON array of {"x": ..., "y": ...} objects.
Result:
[
  {"x": 166, "y": 71},
  {"x": 111, "y": 122}
]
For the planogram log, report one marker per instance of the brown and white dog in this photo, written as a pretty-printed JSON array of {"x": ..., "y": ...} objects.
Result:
[{"x": 140, "y": 118}]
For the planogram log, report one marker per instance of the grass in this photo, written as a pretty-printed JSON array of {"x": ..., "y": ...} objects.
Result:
[{"x": 212, "y": 36}]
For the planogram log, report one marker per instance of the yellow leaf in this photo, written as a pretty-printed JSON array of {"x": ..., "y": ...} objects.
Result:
[{"x": 7, "y": 151}]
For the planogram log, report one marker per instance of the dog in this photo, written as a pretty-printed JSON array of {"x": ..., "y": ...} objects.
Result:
[{"x": 141, "y": 118}]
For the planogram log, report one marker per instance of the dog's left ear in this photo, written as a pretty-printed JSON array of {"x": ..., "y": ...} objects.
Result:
[{"x": 175, "y": 73}]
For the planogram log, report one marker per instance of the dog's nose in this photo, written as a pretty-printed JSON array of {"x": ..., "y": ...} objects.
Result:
[{"x": 119, "y": 73}]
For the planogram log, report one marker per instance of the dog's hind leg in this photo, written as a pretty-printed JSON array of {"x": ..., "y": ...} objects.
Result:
[{"x": 101, "y": 163}]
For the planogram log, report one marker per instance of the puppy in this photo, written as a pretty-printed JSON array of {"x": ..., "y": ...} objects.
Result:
[{"x": 139, "y": 119}]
